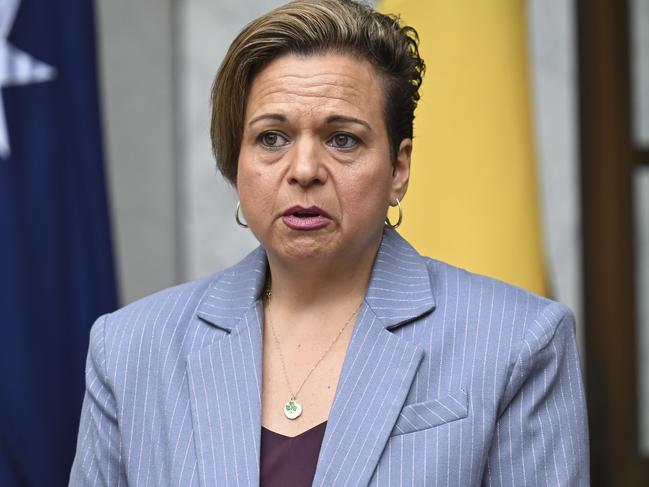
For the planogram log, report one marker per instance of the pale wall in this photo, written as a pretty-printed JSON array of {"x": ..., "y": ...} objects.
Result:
[{"x": 136, "y": 46}]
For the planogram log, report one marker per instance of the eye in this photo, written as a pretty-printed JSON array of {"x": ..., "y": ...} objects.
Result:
[
  {"x": 343, "y": 141},
  {"x": 272, "y": 140}
]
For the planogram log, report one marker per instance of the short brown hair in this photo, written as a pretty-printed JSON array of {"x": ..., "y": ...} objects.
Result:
[{"x": 312, "y": 27}]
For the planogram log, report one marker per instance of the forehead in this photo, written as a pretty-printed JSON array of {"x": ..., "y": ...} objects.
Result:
[{"x": 321, "y": 84}]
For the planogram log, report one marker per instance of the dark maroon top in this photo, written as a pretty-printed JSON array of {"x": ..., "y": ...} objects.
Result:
[{"x": 289, "y": 460}]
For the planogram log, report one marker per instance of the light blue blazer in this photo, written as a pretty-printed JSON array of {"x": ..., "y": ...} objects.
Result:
[{"x": 450, "y": 379}]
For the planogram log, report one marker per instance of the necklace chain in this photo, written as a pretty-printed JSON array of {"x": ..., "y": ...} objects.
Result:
[{"x": 279, "y": 348}]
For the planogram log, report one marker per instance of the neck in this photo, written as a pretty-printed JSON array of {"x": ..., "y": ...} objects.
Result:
[{"x": 299, "y": 287}]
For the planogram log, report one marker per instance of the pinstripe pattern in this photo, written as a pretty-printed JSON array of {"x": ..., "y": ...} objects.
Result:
[{"x": 450, "y": 379}]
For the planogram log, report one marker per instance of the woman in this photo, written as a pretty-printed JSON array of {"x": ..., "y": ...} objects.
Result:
[{"x": 334, "y": 354}]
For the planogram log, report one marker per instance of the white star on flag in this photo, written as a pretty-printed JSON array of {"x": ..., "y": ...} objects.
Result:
[{"x": 16, "y": 67}]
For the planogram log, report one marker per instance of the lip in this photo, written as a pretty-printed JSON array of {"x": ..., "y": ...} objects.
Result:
[{"x": 318, "y": 218}]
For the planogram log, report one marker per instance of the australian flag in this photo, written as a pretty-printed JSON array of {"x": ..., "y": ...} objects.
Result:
[{"x": 56, "y": 265}]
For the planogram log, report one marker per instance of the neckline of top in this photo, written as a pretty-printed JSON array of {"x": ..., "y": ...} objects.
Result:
[{"x": 310, "y": 430}]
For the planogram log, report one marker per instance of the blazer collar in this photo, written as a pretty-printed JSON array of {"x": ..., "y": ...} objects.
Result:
[
  {"x": 234, "y": 292},
  {"x": 399, "y": 289}
]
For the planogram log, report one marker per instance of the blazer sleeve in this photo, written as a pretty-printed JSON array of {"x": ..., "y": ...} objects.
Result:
[
  {"x": 98, "y": 456},
  {"x": 541, "y": 437}
]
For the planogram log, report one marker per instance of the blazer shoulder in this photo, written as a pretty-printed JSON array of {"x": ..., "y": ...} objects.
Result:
[
  {"x": 156, "y": 330},
  {"x": 527, "y": 313},
  {"x": 444, "y": 275},
  {"x": 170, "y": 318},
  {"x": 174, "y": 304}
]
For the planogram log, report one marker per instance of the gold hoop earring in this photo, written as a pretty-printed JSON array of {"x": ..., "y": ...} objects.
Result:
[
  {"x": 236, "y": 216},
  {"x": 396, "y": 225}
]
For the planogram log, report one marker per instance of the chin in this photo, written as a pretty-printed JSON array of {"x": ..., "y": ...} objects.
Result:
[{"x": 310, "y": 246}]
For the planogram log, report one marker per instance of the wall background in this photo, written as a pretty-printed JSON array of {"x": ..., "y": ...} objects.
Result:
[
  {"x": 137, "y": 73},
  {"x": 172, "y": 212}
]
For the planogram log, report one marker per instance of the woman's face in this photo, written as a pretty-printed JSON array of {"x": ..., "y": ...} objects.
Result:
[{"x": 315, "y": 177}]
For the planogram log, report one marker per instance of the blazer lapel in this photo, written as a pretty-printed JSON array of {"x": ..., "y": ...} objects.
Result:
[
  {"x": 225, "y": 378},
  {"x": 379, "y": 367},
  {"x": 378, "y": 370}
]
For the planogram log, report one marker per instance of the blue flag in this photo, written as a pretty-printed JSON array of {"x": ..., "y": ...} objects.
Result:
[{"x": 56, "y": 264}]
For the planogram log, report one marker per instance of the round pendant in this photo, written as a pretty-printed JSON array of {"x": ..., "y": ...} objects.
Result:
[{"x": 292, "y": 409}]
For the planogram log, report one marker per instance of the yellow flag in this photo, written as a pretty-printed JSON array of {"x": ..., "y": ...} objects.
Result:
[{"x": 472, "y": 199}]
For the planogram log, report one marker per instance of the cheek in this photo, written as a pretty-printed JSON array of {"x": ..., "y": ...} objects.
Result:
[
  {"x": 255, "y": 189},
  {"x": 252, "y": 175},
  {"x": 256, "y": 197},
  {"x": 367, "y": 198}
]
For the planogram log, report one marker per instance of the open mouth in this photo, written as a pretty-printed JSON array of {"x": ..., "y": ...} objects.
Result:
[
  {"x": 306, "y": 213},
  {"x": 300, "y": 218},
  {"x": 302, "y": 212}
]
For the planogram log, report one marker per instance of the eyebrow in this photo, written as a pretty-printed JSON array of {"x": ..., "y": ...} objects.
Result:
[
  {"x": 344, "y": 119},
  {"x": 278, "y": 117},
  {"x": 268, "y": 116}
]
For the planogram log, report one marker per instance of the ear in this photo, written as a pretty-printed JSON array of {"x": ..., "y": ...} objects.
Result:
[{"x": 401, "y": 171}]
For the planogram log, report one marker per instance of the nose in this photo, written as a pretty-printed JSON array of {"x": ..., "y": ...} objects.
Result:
[{"x": 306, "y": 168}]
